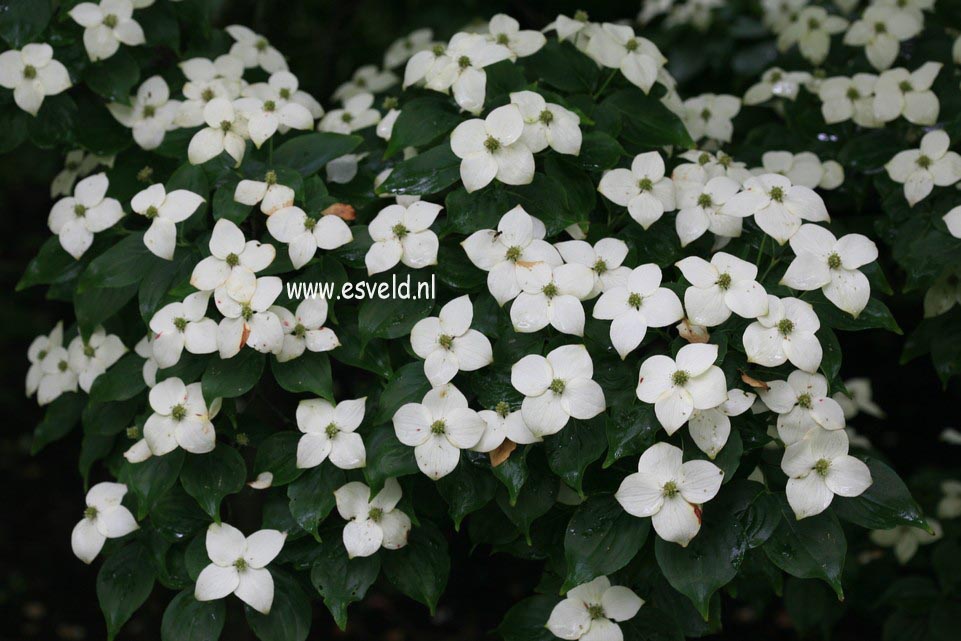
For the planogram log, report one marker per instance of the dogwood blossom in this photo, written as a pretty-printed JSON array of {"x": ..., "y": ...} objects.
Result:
[
  {"x": 401, "y": 50},
  {"x": 150, "y": 114},
  {"x": 778, "y": 206},
  {"x": 255, "y": 50},
  {"x": 822, "y": 261},
  {"x": 711, "y": 428},
  {"x": 438, "y": 428},
  {"x": 106, "y": 25},
  {"x": 724, "y": 285},
  {"x": 547, "y": 124},
  {"x": 811, "y": 29},
  {"x": 921, "y": 169},
  {"x": 144, "y": 349},
  {"x": 803, "y": 169},
  {"x": 356, "y": 114},
  {"x": 591, "y": 611},
  {"x": 76, "y": 219},
  {"x": 802, "y": 404},
  {"x": 670, "y": 491},
  {"x": 776, "y": 83},
  {"x": 232, "y": 263},
  {"x": 459, "y": 69},
  {"x": 366, "y": 79},
  {"x": 785, "y": 333},
  {"x": 402, "y": 234},
  {"x": 556, "y": 388},
  {"x": 226, "y": 130},
  {"x": 179, "y": 326},
  {"x": 506, "y": 32},
  {"x": 643, "y": 188},
  {"x": 180, "y": 418},
  {"x": 55, "y": 377},
  {"x": 818, "y": 467},
  {"x": 32, "y": 74},
  {"x": 880, "y": 30},
  {"x": 372, "y": 523},
  {"x": 164, "y": 210},
  {"x": 639, "y": 303},
  {"x": 944, "y": 293},
  {"x": 41, "y": 347},
  {"x": 330, "y": 432},
  {"x": 859, "y": 398},
  {"x": 91, "y": 357},
  {"x": 448, "y": 344},
  {"x": 906, "y": 539},
  {"x": 239, "y": 566},
  {"x": 304, "y": 329},
  {"x": 616, "y": 46},
  {"x": 552, "y": 296},
  {"x": 676, "y": 387},
  {"x": 78, "y": 164},
  {"x": 305, "y": 234},
  {"x": 571, "y": 28},
  {"x": 105, "y": 518},
  {"x": 270, "y": 194},
  {"x": 207, "y": 79},
  {"x": 502, "y": 424},
  {"x": 604, "y": 259},
  {"x": 899, "y": 92},
  {"x": 248, "y": 319},
  {"x": 701, "y": 208},
  {"x": 493, "y": 148},
  {"x": 849, "y": 99},
  {"x": 711, "y": 164},
  {"x": 266, "y": 113},
  {"x": 710, "y": 115}
]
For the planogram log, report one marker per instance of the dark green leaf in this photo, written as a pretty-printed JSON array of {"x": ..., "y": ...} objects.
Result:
[
  {"x": 424, "y": 174},
  {"x": 308, "y": 373},
  {"x": 630, "y": 431},
  {"x": 421, "y": 122},
  {"x": 113, "y": 78},
  {"x": 234, "y": 376},
  {"x": 187, "y": 619},
  {"x": 342, "y": 581},
  {"x": 887, "y": 503},
  {"x": 312, "y": 496},
  {"x": 386, "y": 457},
  {"x": 290, "y": 615},
  {"x": 527, "y": 620},
  {"x": 810, "y": 548},
  {"x": 212, "y": 476},
  {"x": 61, "y": 417},
  {"x": 123, "y": 380},
  {"x": 571, "y": 450},
  {"x": 277, "y": 454},
  {"x": 152, "y": 478},
  {"x": 307, "y": 153},
  {"x": 420, "y": 568},
  {"x": 600, "y": 539},
  {"x": 467, "y": 489},
  {"x": 123, "y": 584},
  {"x": 22, "y": 21}
]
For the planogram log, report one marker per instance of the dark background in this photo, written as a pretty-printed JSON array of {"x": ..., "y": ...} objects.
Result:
[{"x": 46, "y": 593}]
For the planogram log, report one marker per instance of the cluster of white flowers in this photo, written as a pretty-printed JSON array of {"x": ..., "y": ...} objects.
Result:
[
  {"x": 56, "y": 369},
  {"x": 591, "y": 611}
]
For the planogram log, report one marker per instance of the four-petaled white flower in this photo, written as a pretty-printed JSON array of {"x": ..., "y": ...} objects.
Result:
[
  {"x": 248, "y": 319},
  {"x": 164, "y": 211},
  {"x": 679, "y": 386},
  {"x": 40, "y": 348},
  {"x": 372, "y": 523},
  {"x": 552, "y": 296},
  {"x": 401, "y": 50},
  {"x": 304, "y": 329},
  {"x": 921, "y": 169},
  {"x": 366, "y": 79},
  {"x": 356, "y": 114},
  {"x": 226, "y": 130},
  {"x": 305, "y": 234},
  {"x": 818, "y": 467},
  {"x": 493, "y": 148},
  {"x": 952, "y": 221},
  {"x": 670, "y": 491},
  {"x": 267, "y": 113},
  {"x": 849, "y": 99},
  {"x": 105, "y": 518},
  {"x": 271, "y": 195},
  {"x": 106, "y": 25},
  {"x": 776, "y": 83},
  {"x": 709, "y": 116},
  {"x": 701, "y": 208},
  {"x": 902, "y": 93},
  {"x": 811, "y": 29},
  {"x": 506, "y": 31},
  {"x": 777, "y": 205},
  {"x": 255, "y": 50},
  {"x": 605, "y": 259},
  {"x": 905, "y": 539},
  {"x": 802, "y": 404},
  {"x": 503, "y": 423},
  {"x": 75, "y": 219},
  {"x": 402, "y": 234},
  {"x": 460, "y": 69},
  {"x": 77, "y": 164},
  {"x": 547, "y": 125},
  {"x": 181, "y": 418},
  {"x": 232, "y": 263},
  {"x": 239, "y": 566},
  {"x": 639, "y": 303},
  {"x": 803, "y": 168},
  {"x": 144, "y": 349},
  {"x": 330, "y": 432},
  {"x": 556, "y": 388},
  {"x": 180, "y": 326},
  {"x": 724, "y": 285},
  {"x": 448, "y": 344},
  {"x": 880, "y": 30},
  {"x": 827, "y": 263},
  {"x": 591, "y": 611},
  {"x": 207, "y": 79},
  {"x": 32, "y": 74},
  {"x": 55, "y": 375},
  {"x": 616, "y": 46},
  {"x": 150, "y": 114},
  {"x": 711, "y": 428},
  {"x": 643, "y": 188},
  {"x": 785, "y": 333},
  {"x": 90, "y": 358}
]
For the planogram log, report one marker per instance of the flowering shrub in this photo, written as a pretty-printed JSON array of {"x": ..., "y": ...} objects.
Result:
[{"x": 637, "y": 318}]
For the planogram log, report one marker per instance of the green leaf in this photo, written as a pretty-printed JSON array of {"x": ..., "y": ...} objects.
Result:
[
  {"x": 55, "y": 122},
  {"x": 394, "y": 317},
  {"x": 312, "y": 496},
  {"x": 562, "y": 66},
  {"x": 308, "y": 373},
  {"x": 13, "y": 131},
  {"x": 152, "y": 478},
  {"x": 467, "y": 489},
  {"x": 421, "y": 122},
  {"x": 541, "y": 199},
  {"x": 407, "y": 385},
  {"x": 100, "y": 134},
  {"x": 810, "y": 548},
  {"x": 875, "y": 315},
  {"x": 212, "y": 476},
  {"x": 887, "y": 503},
  {"x": 187, "y": 619},
  {"x": 22, "y": 21},
  {"x": 527, "y": 621},
  {"x": 277, "y": 454},
  {"x": 93, "y": 448},
  {"x": 467, "y": 213},
  {"x": 308, "y": 153},
  {"x": 535, "y": 498},
  {"x": 420, "y": 568},
  {"x": 176, "y": 516},
  {"x": 571, "y": 450},
  {"x": 125, "y": 263},
  {"x": 646, "y": 121},
  {"x": 340, "y": 580},
  {"x": 94, "y": 306},
  {"x": 123, "y": 584},
  {"x": 290, "y": 614},
  {"x": 163, "y": 277},
  {"x": 579, "y": 188},
  {"x": 424, "y": 174},
  {"x": 600, "y": 539},
  {"x": 114, "y": 78},
  {"x": 123, "y": 380},
  {"x": 630, "y": 431},
  {"x": 232, "y": 377},
  {"x": 599, "y": 151},
  {"x": 386, "y": 457},
  {"x": 107, "y": 419},
  {"x": 62, "y": 415},
  {"x": 51, "y": 265},
  {"x": 869, "y": 151},
  {"x": 224, "y": 205}
]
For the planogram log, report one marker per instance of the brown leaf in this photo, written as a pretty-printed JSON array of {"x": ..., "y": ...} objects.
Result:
[
  {"x": 753, "y": 382},
  {"x": 502, "y": 452},
  {"x": 693, "y": 333},
  {"x": 341, "y": 210}
]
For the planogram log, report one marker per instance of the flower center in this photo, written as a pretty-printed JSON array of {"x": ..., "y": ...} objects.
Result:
[
  {"x": 331, "y": 430},
  {"x": 776, "y": 76},
  {"x": 463, "y": 62},
  {"x": 804, "y": 401},
  {"x": 399, "y": 230},
  {"x": 880, "y": 27},
  {"x": 635, "y": 300},
  {"x": 546, "y": 117},
  {"x": 145, "y": 174},
  {"x": 724, "y": 281},
  {"x": 346, "y": 117},
  {"x": 270, "y": 105},
  {"x": 680, "y": 378},
  {"x": 834, "y": 261},
  {"x": 90, "y": 513},
  {"x": 631, "y": 45},
  {"x": 149, "y": 111},
  {"x": 133, "y": 432},
  {"x": 703, "y": 159},
  {"x": 299, "y": 330},
  {"x": 42, "y": 354},
  {"x": 550, "y": 290},
  {"x": 905, "y": 86},
  {"x": 437, "y": 50},
  {"x": 438, "y": 427},
  {"x": 240, "y": 564},
  {"x": 581, "y": 16},
  {"x": 595, "y": 611},
  {"x": 502, "y": 39},
  {"x": 390, "y": 102},
  {"x": 777, "y": 194},
  {"x": 110, "y": 21},
  {"x": 180, "y": 324},
  {"x": 375, "y": 514},
  {"x": 178, "y": 413},
  {"x": 822, "y": 467},
  {"x": 503, "y": 409},
  {"x": 361, "y": 82},
  {"x": 706, "y": 114},
  {"x": 785, "y": 326},
  {"x": 29, "y": 72},
  {"x": 271, "y": 177},
  {"x": 645, "y": 184},
  {"x": 62, "y": 366},
  {"x": 226, "y": 125},
  {"x": 246, "y": 312},
  {"x": 814, "y": 24},
  {"x": 79, "y": 210},
  {"x": 600, "y": 266},
  {"x": 492, "y": 144},
  {"x": 704, "y": 200},
  {"x": 724, "y": 160},
  {"x": 853, "y": 94},
  {"x": 310, "y": 223},
  {"x": 446, "y": 341},
  {"x": 151, "y": 212},
  {"x": 89, "y": 351},
  {"x": 284, "y": 93},
  {"x": 207, "y": 95},
  {"x": 232, "y": 259},
  {"x": 262, "y": 44},
  {"x": 514, "y": 253},
  {"x": 670, "y": 490},
  {"x": 923, "y": 162},
  {"x": 557, "y": 386}
]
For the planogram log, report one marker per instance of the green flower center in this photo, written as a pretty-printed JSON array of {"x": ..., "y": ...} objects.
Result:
[
  {"x": 90, "y": 513},
  {"x": 834, "y": 261},
  {"x": 880, "y": 27},
  {"x": 645, "y": 184},
  {"x": 399, "y": 230},
  {"x": 776, "y": 76},
  {"x": 703, "y": 159},
  {"x": 262, "y": 44},
  {"x": 581, "y": 16},
  {"x": 704, "y": 200},
  {"x": 178, "y": 413},
  {"x": 180, "y": 324},
  {"x": 502, "y": 39},
  {"x": 595, "y": 611},
  {"x": 492, "y": 144},
  {"x": 110, "y": 21},
  {"x": 151, "y": 212},
  {"x": 271, "y": 177},
  {"x": 133, "y": 432},
  {"x": 635, "y": 300},
  {"x": 822, "y": 467},
  {"x": 232, "y": 259},
  {"x": 546, "y": 117},
  {"x": 207, "y": 94},
  {"x": 284, "y": 93},
  {"x": 905, "y": 86},
  {"x": 246, "y": 312},
  {"x": 145, "y": 174},
  {"x": 299, "y": 330},
  {"x": 331, "y": 430},
  {"x": 89, "y": 351},
  {"x": 463, "y": 62},
  {"x": 724, "y": 160},
  {"x": 814, "y": 24},
  {"x": 557, "y": 386},
  {"x": 923, "y": 162},
  {"x": 804, "y": 401},
  {"x": 29, "y": 72},
  {"x": 785, "y": 326},
  {"x": 242, "y": 439},
  {"x": 310, "y": 223},
  {"x": 680, "y": 378},
  {"x": 390, "y": 102},
  {"x": 62, "y": 366},
  {"x": 437, "y": 50},
  {"x": 446, "y": 341},
  {"x": 777, "y": 194},
  {"x": 438, "y": 427},
  {"x": 503, "y": 409},
  {"x": 79, "y": 210},
  {"x": 347, "y": 116},
  {"x": 550, "y": 290},
  {"x": 853, "y": 94},
  {"x": 600, "y": 266},
  {"x": 42, "y": 354},
  {"x": 670, "y": 490},
  {"x": 361, "y": 82},
  {"x": 226, "y": 125},
  {"x": 375, "y": 514},
  {"x": 724, "y": 281},
  {"x": 632, "y": 44},
  {"x": 149, "y": 111},
  {"x": 514, "y": 253},
  {"x": 240, "y": 564},
  {"x": 270, "y": 105},
  {"x": 706, "y": 114}
]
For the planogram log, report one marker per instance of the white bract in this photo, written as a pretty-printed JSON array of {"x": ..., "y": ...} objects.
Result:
[
  {"x": 859, "y": 398},
  {"x": 402, "y": 234},
  {"x": 726, "y": 284},
  {"x": 639, "y": 303},
  {"x": 670, "y": 491},
  {"x": 180, "y": 418},
  {"x": 91, "y": 357},
  {"x": 226, "y": 130},
  {"x": 949, "y": 507},
  {"x": 604, "y": 259},
  {"x": 248, "y": 319},
  {"x": 75, "y": 219},
  {"x": 32, "y": 74},
  {"x": 144, "y": 349},
  {"x": 591, "y": 611},
  {"x": 401, "y": 50},
  {"x": 77, "y": 164},
  {"x": 207, "y": 79},
  {"x": 547, "y": 125},
  {"x": 304, "y": 329},
  {"x": 880, "y": 30},
  {"x": 506, "y": 32},
  {"x": 921, "y": 169},
  {"x": 849, "y": 99},
  {"x": 556, "y": 388},
  {"x": 803, "y": 169},
  {"x": 448, "y": 344},
  {"x": 366, "y": 79},
  {"x": 701, "y": 207},
  {"x": 802, "y": 404},
  {"x": 818, "y": 467},
  {"x": 255, "y": 50},
  {"x": 107, "y": 25},
  {"x": 906, "y": 539},
  {"x": 180, "y": 326},
  {"x": 105, "y": 518},
  {"x": 776, "y": 83},
  {"x": 643, "y": 188},
  {"x": 330, "y": 432},
  {"x": 617, "y": 47},
  {"x": 811, "y": 29},
  {"x": 502, "y": 423},
  {"x": 40, "y": 348},
  {"x": 268, "y": 113},
  {"x": 492, "y": 148},
  {"x": 164, "y": 210},
  {"x": 710, "y": 115},
  {"x": 372, "y": 523},
  {"x": 232, "y": 263},
  {"x": 239, "y": 566},
  {"x": 952, "y": 221},
  {"x": 552, "y": 296},
  {"x": 827, "y": 263},
  {"x": 459, "y": 69},
  {"x": 677, "y": 387},
  {"x": 785, "y": 333},
  {"x": 711, "y": 428},
  {"x": 305, "y": 234},
  {"x": 150, "y": 114},
  {"x": 55, "y": 376},
  {"x": 902, "y": 93},
  {"x": 271, "y": 195},
  {"x": 778, "y": 206},
  {"x": 357, "y": 113}
]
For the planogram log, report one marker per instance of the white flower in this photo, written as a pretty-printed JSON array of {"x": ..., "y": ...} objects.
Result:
[
  {"x": 41, "y": 347},
  {"x": 367, "y": 79},
  {"x": 822, "y": 261},
  {"x": 701, "y": 205},
  {"x": 55, "y": 375},
  {"x": 239, "y": 566},
  {"x": 271, "y": 195},
  {"x": 802, "y": 404},
  {"x": 226, "y": 130},
  {"x": 372, "y": 523},
  {"x": 678, "y": 387},
  {"x": 401, "y": 50},
  {"x": 248, "y": 319},
  {"x": 90, "y": 358},
  {"x": 330, "y": 432},
  {"x": 448, "y": 344},
  {"x": 106, "y": 25},
  {"x": 305, "y": 329},
  {"x": 255, "y": 50},
  {"x": 305, "y": 234},
  {"x": 858, "y": 399},
  {"x": 385, "y": 128},
  {"x": 639, "y": 303},
  {"x": 164, "y": 211},
  {"x": 604, "y": 259},
  {"x": 952, "y": 220},
  {"x": 502, "y": 424},
  {"x": 206, "y": 80},
  {"x": 508, "y": 253},
  {"x": 105, "y": 518},
  {"x": 711, "y": 164},
  {"x": 438, "y": 428},
  {"x": 144, "y": 349},
  {"x": 402, "y": 234},
  {"x": 76, "y": 219},
  {"x": 818, "y": 467},
  {"x": 899, "y": 92},
  {"x": 505, "y": 31},
  {"x": 568, "y": 28},
  {"x": 547, "y": 124},
  {"x": 180, "y": 418},
  {"x": 944, "y": 294},
  {"x": 557, "y": 388},
  {"x": 493, "y": 148},
  {"x": 880, "y": 30},
  {"x": 590, "y": 610},
  {"x": 849, "y": 99},
  {"x": 283, "y": 87},
  {"x": 78, "y": 163},
  {"x": 232, "y": 263},
  {"x": 356, "y": 114},
  {"x": 905, "y": 539},
  {"x": 803, "y": 169},
  {"x": 949, "y": 507},
  {"x": 775, "y": 82},
  {"x": 711, "y": 428},
  {"x": 150, "y": 114},
  {"x": 617, "y": 47},
  {"x": 459, "y": 69},
  {"x": 777, "y": 205},
  {"x": 552, "y": 296},
  {"x": 710, "y": 115},
  {"x": 268, "y": 112},
  {"x": 643, "y": 188},
  {"x": 811, "y": 30},
  {"x": 724, "y": 285},
  {"x": 921, "y": 169},
  {"x": 183, "y": 325},
  {"x": 32, "y": 74},
  {"x": 779, "y": 14},
  {"x": 785, "y": 333},
  {"x": 670, "y": 491}
]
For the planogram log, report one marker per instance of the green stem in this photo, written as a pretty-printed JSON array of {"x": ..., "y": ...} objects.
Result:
[
  {"x": 606, "y": 82},
  {"x": 760, "y": 251}
]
